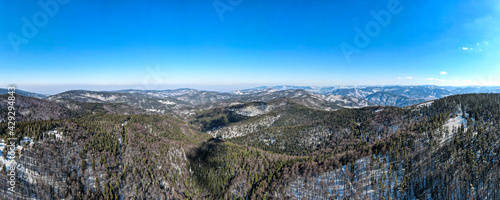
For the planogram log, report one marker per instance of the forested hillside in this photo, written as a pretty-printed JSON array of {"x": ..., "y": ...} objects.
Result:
[
  {"x": 32, "y": 109},
  {"x": 280, "y": 149}
]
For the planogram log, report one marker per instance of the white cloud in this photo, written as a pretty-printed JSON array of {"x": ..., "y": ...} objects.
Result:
[
  {"x": 407, "y": 78},
  {"x": 434, "y": 79},
  {"x": 469, "y": 49},
  {"x": 443, "y": 73},
  {"x": 479, "y": 46}
]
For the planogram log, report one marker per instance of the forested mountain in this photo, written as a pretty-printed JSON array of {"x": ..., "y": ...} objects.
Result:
[
  {"x": 292, "y": 144},
  {"x": 309, "y": 99},
  {"x": 384, "y": 98},
  {"x": 160, "y": 93},
  {"x": 136, "y": 100},
  {"x": 33, "y": 109},
  {"x": 23, "y": 93}
]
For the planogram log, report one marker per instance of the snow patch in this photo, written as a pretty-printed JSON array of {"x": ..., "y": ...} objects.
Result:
[
  {"x": 166, "y": 102},
  {"x": 426, "y": 104}
]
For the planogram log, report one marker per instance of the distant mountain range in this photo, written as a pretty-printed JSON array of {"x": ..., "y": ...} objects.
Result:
[
  {"x": 400, "y": 96},
  {"x": 325, "y": 98}
]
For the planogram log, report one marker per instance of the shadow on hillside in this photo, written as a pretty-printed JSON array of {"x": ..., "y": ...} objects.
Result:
[{"x": 206, "y": 163}]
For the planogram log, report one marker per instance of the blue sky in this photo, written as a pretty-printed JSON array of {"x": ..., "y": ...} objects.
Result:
[{"x": 187, "y": 43}]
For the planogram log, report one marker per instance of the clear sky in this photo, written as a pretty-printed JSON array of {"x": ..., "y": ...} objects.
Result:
[{"x": 74, "y": 44}]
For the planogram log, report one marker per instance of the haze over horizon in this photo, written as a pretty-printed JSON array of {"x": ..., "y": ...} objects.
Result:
[{"x": 104, "y": 45}]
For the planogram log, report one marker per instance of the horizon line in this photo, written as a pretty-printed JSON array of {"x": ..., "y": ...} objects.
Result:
[{"x": 203, "y": 87}]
